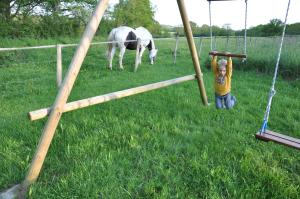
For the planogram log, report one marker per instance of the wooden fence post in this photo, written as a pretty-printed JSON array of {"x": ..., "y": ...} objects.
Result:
[
  {"x": 58, "y": 65},
  {"x": 215, "y": 43},
  {"x": 176, "y": 47},
  {"x": 200, "y": 46}
]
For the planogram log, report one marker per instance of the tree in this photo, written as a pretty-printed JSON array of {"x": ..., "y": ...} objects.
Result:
[
  {"x": 274, "y": 27},
  {"x": 205, "y": 30},
  {"x": 135, "y": 13},
  {"x": 276, "y": 22},
  {"x": 5, "y": 9},
  {"x": 20, "y": 18},
  {"x": 293, "y": 29},
  {"x": 12, "y": 8},
  {"x": 195, "y": 28}
]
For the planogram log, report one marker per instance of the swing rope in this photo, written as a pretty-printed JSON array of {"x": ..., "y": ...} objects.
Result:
[
  {"x": 211, "y": 34},
  {"x": 272, "y": 90},
  {"x": 245, "y": 36}
]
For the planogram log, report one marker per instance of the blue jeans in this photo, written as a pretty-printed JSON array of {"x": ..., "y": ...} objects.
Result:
[{"x": 225, "y": 101}]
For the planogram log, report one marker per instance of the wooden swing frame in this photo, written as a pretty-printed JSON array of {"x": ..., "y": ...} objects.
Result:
[{"x": 60, "y": 103}]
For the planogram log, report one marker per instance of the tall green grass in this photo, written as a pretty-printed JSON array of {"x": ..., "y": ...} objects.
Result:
[{"x": 160, "y": 144}]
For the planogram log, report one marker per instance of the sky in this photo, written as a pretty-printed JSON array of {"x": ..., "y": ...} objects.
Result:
[{"x": 226, "y": 12}]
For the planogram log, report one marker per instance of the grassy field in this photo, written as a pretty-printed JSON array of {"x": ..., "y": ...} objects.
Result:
[{"x": 160, "y": 144}]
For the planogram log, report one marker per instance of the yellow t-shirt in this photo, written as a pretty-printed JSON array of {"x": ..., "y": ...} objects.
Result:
[{"x": 222, "y": 84}]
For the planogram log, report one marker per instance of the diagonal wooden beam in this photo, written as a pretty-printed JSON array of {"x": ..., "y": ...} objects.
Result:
[
  {"x": 64, "y": 92},
  {"x": 193, "y": 50}
]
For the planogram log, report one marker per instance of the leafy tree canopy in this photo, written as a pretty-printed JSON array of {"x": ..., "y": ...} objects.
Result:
[{"x": 135, "y": 13}]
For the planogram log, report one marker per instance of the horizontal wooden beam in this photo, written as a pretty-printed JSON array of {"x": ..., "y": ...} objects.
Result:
[
  {"x": 41, "y": 113},
  {"x": 224, "y": 54}
]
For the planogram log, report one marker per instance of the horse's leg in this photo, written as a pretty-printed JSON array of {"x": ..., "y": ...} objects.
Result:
[
  {"x": 122, "y": 51},
  {"x": 111, "y": 56},
  {"x": 141, "y": 54}
]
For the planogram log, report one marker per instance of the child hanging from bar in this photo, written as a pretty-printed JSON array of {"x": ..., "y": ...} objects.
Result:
[{"x": 222, "y": 71}]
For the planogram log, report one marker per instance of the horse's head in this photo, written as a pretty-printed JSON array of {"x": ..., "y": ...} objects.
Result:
[{"x": 152, "y": 55}]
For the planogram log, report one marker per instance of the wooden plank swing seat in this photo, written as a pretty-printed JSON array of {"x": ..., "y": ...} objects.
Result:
[
  {"x": 267, "y": 135},
  {"x": 278, "y": 138},
  {"x": 225, "y": 54}
]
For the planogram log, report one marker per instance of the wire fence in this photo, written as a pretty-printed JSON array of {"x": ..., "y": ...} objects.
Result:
[
  {"x": 155, "y": 39},
  {"x": 74, "y": 45},
  {"x": 17, "y": 56},
  {"x": 104, "y": 42}
]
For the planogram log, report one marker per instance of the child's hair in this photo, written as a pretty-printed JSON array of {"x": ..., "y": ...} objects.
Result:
[{"x": 222, "y": 63}]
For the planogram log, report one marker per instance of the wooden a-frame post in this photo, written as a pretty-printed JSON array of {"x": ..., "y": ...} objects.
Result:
[
  {"x": 19, "y": 190},
  {"x": 60, "y": 101},
  {"x": 64, "y": 93},
  {"x": 193, "y": 50}
]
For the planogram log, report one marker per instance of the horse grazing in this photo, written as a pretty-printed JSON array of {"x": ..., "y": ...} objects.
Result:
[{"x": 121, "y": 36}]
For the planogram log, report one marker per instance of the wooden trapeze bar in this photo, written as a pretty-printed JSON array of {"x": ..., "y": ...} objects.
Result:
[{"x": 224, "y": 54}]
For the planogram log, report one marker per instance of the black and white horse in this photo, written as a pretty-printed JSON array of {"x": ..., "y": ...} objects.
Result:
[{"x": 121, "y": 36}]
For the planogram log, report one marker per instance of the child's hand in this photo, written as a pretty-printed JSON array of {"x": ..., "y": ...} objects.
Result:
[{"x": 213, "y": 54}]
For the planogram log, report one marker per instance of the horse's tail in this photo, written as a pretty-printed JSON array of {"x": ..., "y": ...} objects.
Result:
[{"x": 110, "y": 39}]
